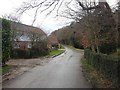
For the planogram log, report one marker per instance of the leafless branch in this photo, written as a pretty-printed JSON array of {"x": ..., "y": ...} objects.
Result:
[
  {"x": 35, "y": 15},
  {"x": 53, "y": 5},
  {"x": 59, "y": 7},
  {"x": 86, "y": 8}
]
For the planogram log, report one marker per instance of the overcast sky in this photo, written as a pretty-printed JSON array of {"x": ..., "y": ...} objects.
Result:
[{"x": 50, "y": 23}]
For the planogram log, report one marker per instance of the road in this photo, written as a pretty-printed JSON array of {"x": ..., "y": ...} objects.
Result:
[{"x": 63, "y": 71}]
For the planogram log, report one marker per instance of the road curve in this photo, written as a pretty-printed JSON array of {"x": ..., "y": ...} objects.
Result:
[{"x": 63, "y": 71}]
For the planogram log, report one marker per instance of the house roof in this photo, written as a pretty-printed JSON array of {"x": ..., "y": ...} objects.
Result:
[
  {"x": 23, "y": 32},
  {"x": 26, "y": 28}
]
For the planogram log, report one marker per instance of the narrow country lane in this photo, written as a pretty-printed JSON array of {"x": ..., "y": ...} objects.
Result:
[{"x": 63, "y": 71}]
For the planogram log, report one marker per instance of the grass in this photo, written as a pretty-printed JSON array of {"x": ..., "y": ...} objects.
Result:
[
  {"x": 55, "y": 52},
  {"x": 62, "y": 47},
  {"x": 4, "y": 69},
  {"x": 116, "y": 54},
  {"x": 96, "y": 78}
]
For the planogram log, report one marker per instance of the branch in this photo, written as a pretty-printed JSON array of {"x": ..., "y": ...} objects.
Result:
[
  {"x": 86, "y": 8},
  {"x": 35, "y": 15},
  {"x": 71, "y": 9},
  {"x": 59, "y": 7},
  {"x": 27, "y": 6},
  {"x": 73, "y": 18}
]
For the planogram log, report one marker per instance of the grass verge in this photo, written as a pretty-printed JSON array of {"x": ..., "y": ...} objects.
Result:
[
  {"x": 4, "y": 69},
  {"x": 116, "y": 54},
  {"x": 55, "y": 52},
  {"x": 96, "y": 78}
]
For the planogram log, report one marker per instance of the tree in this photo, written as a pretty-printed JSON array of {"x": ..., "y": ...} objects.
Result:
[
  {"x": 0, "y": 41},
  {"x": 107, "y": 32},
  {"x": 118, "y": 24},
  {"x": 6, "y": 42},
  {"x": 100, "y": 24},
  {"x": 94, "y": 14},
  {"x": 49, "y": 6},
  {"x": 117, "y": 18}
]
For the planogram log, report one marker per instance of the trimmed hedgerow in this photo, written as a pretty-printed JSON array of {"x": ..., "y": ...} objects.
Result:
[
  {"x": 26, "y": 54},
  {"x": 17, "y": 53},
  {"x": 109, "y": 66},
  {"x": 108, "y": 48},
  {"x": 35, "y": 52}
]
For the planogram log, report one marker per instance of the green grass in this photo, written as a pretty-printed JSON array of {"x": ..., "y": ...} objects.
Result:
[
  {"x": 116, "y": 54},
  {"x": 4, "y": 69},
  {"x": 61, "y": 46},
  {"x": 55, "y": 52},
  {"x": 96, "y": 78}
]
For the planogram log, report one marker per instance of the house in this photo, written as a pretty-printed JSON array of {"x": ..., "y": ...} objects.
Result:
[{"x": 25, "y": 37}]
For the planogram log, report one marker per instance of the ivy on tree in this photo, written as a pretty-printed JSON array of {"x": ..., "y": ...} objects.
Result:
[{"x": 6, "y": 31}]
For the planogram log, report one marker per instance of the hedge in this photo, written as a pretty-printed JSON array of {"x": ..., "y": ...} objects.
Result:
[
  {"x": 35, "y": 52},
  {"x": 108, "y": 48},
  {"x": 17, "y": 53},
  {"x": 109, "y": 66},
  {"x": 26, "y": 54}
]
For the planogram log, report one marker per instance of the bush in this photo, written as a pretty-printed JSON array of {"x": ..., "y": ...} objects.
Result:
[
  {"x": 32, "y": 53},
  {"x": 20, "y": 53},
  {"x": 35, "y": 52},
  {"x": 108, "y": 48},
  {"x": 96, "y": 78},
  {"x": 109, "y": 66}
]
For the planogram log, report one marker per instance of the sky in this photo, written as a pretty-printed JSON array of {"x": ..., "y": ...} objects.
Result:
[{"x": 48, "y": 25}]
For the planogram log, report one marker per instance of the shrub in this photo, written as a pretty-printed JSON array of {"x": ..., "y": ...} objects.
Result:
[
  {"x": 32, "y": 53},
  {"x": 109, "y": 66},
  {"x": 108, "y": 48},
  {"x": 35, "y": 52},
  {"x": 17, "y": 53}
]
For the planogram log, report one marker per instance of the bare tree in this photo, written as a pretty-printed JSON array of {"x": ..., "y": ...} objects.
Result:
[
  {"x": 90, "y": 10},
  {"x": 84, "y": 8},
  {"x": 40, "y": 7},
  {"x": 49, "y": 6}
]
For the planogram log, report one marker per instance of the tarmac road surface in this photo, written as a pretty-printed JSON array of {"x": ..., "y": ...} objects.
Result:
[{"x": 63, "y": 71}]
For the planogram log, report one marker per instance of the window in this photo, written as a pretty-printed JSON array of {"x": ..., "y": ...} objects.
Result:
[
  {"x": 29, "y": 45},
  {"x": 16, "y": 45}
]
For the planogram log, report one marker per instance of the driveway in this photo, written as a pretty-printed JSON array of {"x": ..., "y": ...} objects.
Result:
[{"x": 63, "y": 71}]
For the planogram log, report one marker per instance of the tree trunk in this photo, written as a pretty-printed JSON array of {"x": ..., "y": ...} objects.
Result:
[
  {"x": 93, "y": 48},
  {"x": 3, "y": 63},
  {"x": 97, "y": 49}
]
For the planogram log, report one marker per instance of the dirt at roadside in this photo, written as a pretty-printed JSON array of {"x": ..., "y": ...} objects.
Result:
[{"x": 19, "y": 66}]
